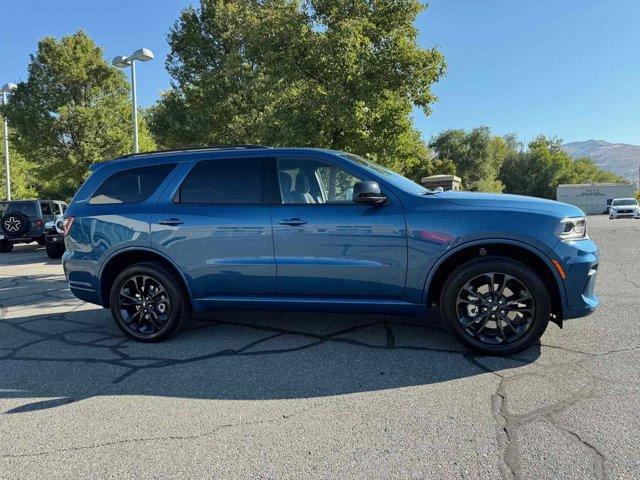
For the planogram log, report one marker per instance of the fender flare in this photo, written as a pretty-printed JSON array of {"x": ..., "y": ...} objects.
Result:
[
  {"x": 478, "y": 242},
  {"x": 116, "y": 253}
]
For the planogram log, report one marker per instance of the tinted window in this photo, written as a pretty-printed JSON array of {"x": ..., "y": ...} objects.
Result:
[
  {"x": 25, "y": 208},
  {"x": 57, "y": 209},
  {"x": 131, "y": 186},
  {"x": 224, "y": 182},
  {"x": 46, "y": 208}
]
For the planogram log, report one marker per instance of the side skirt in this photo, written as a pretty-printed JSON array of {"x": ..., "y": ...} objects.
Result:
[{"x": 372, "y": 306}]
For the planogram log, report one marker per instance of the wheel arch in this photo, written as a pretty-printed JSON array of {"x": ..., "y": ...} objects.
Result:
[
  {"x": 523, "y": 253},
  {"x": 125, "y": 257}
]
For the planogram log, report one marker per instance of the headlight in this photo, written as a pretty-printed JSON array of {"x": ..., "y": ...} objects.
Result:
[{"x": 573, "y": 228}]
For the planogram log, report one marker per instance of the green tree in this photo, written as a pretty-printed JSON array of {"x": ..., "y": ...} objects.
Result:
[
  {"x": 72, "y": 111},
  {"x": 325, "y": 73},
  {"x": 22, "y": 178},
  {"x": 477, "y": 156},
  {"x": 538, "y": 170}
]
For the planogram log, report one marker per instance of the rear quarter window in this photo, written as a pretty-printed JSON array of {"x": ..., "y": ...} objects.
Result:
[{"x": 131, "y": 186}]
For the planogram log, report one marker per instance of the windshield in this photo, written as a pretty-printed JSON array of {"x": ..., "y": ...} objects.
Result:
[
  {"x": 625, "y": 201},
  {"x": 392, "y": 177}
]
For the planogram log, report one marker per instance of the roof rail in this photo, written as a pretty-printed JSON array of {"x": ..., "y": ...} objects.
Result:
[{"x": 186, "y": 149}]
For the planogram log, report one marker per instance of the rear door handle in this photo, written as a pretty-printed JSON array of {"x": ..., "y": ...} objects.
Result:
[
  {"x": 171, "y": 221},
  {"x": 294, "y": 222}
]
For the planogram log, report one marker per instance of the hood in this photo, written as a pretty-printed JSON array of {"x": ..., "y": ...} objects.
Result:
[{"x": 511, "y": 202}]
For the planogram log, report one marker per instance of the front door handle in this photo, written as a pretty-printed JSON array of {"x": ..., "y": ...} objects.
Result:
[
  {"x": 294, "y": 222},
  {"x": 171, "y": 221}
]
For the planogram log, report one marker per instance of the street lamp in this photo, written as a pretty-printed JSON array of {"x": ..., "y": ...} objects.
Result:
[
  {"x": 6, "y": 88},
  {"x": 142, "y": 55}
]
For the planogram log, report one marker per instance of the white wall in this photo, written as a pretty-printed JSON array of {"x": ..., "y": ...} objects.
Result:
[{"x": 592, "y": 199}]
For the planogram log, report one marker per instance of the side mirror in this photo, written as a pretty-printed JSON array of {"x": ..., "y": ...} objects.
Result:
[{"x": 368, "y": 193}]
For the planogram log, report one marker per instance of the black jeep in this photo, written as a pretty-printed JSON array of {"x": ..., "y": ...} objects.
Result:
[{"x": 23, "y": 221}]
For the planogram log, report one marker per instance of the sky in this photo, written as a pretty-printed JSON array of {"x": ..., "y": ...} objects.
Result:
[{"x": 566, "y": 68}]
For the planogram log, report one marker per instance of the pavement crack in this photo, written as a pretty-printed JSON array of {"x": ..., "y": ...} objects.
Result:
[{"x": 161, "y": 438}]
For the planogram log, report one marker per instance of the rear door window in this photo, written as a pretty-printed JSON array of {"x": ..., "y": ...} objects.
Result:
[
  {"x": 131, "y": 186},
  {"x": 46, "y": 208},
  {"x": 226, "y": 182}
]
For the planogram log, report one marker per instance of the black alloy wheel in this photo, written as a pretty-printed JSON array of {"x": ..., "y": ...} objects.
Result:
[
  {"x": 496, "y": 305},
  {"x": 147, "y": 302},
  {"x": 495, "y": 308}
]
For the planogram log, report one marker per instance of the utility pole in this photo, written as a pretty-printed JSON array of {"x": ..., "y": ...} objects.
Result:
[{"x": 9, "y": 87}]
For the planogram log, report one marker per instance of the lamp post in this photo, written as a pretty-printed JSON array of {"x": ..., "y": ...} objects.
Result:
[
  {"x": 141, "y": 55},
  {"x": 9, "y": 87}
]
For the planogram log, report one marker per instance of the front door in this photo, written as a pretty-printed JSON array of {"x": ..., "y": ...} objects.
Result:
[
  {"x": 326, "y": 245},
  {"x": 217, "y": 228}
]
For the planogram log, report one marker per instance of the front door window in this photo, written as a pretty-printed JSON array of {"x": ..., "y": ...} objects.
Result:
[{"x": 314, "y": 182}]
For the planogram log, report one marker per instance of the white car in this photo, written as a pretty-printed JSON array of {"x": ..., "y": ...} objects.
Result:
[{"x": 624, "y": 207}]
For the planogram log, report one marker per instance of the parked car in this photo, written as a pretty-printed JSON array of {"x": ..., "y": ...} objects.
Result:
[
  {"x": 54, "y": 240},
  {"x": 154, "y": 236},
  {"x": 23, "y": 221},
  {"x": 624, "y": 207}
]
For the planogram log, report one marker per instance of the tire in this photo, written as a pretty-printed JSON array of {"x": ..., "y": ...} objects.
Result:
[
  {"x": 481, "y": 324},
  {"x": 41, "y": 241},
  {"x": 156, "y": 325},
  {"x": 5, "y": 246},
  {"x": 54, "y": 250},
  {"x": 14, "y": 224}
]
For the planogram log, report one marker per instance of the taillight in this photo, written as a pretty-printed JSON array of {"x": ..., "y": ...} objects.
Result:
[
  {"x": 39, "y": 222},
  {"x": 67, "y": 225}
]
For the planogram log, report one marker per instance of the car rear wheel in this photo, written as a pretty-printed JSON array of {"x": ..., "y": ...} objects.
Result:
[
  {"x": 495, "y": 305},
  {"x": 5, "y": 246},
  {"x": 54, "y": 250},
  {"x": 148, "y": 302}
]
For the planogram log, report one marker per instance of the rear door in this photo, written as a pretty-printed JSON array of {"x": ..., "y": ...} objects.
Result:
[
  {"x": 215, "y": 224},
  {"x": 328, "y": 246}
]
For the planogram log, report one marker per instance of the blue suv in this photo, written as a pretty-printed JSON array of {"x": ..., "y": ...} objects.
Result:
[{"x": 158, "y": 235}]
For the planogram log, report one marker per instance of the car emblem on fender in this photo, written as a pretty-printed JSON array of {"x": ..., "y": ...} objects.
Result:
[{"x": 12, "y": 224}]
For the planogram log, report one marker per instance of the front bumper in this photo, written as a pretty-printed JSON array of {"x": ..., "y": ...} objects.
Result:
[
  {"x": 624, "y": 214},
  {"x": 55, "y": 238},
  {"x": 579, "y": 260}
]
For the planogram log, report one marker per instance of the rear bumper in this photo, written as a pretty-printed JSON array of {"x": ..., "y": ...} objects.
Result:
[
  {"x": 82, "y": 282},
  {"x": 579, "y": 259},
  {"x": 27, "y": 237}
]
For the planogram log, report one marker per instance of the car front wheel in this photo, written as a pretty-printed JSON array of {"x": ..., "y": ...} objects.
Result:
[
  {"x": 147, "y": 302},
  {"x": 495, "y": 305}
]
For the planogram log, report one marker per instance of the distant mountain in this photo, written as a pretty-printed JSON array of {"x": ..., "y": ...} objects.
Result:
[{"x": 619, "y": 158}]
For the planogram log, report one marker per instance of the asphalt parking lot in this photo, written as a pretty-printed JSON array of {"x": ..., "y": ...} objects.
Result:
[{"x": 273, "y": 395}]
